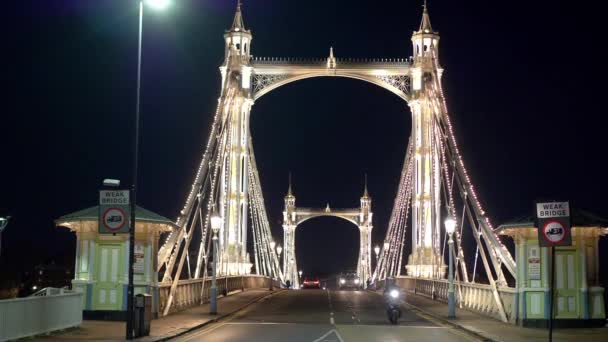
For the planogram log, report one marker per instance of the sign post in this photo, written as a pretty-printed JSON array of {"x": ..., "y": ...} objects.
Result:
[{"x": 553, "y": 221}]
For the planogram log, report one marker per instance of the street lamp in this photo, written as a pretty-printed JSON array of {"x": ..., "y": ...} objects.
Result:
[
  {"x": 377, "y": 252},
  {"x": 216, "y": 223},
  {"x": 450, "y": 226},
  {"x": 279, "y": 251},
  {"x": 3, "y": 224},
  {"x": 300, "y": 273},
  {"x": 159, "y": 5}
]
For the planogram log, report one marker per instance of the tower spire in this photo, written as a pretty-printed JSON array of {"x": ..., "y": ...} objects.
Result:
[
  {"x": 365, "y": 193},
  {"x": 425, "y": 25},
  {"x": 289, "y": 193},
  {"x": 237, "y": 23}
]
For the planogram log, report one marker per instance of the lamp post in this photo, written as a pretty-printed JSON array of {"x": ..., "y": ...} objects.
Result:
[
  {"x": 450, "y": 226},
  {"x": 377, "y": 252},
  {"x": 158, "y": 5},
  {"x": 279, "y": 251},
  {"x": 272, "y": 273},
  {"x": 272, "y": 250},
  {"x": 300, "y": 273},
  {"x": 216, "y": 223},
  {"x": 3, "y": 224}
]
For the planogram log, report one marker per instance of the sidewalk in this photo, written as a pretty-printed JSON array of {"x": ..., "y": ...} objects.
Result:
[
  {"x": 165, "y": 327},
  {"x": 490, "y": 329}
]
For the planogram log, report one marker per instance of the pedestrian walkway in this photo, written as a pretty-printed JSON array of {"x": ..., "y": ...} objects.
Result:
[
  {"x": 166, "y": 327},
  {"x": 488, "y": 328}
]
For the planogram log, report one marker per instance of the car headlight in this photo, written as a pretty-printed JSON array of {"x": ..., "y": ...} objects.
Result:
[
  {"x": 394, "y": 293},
  {"x": 356, "y": 281},
  {"x": 342, "y": 281}
]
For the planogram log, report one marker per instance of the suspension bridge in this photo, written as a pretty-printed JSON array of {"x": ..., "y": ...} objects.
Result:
[{"x": 434, "y": 182}]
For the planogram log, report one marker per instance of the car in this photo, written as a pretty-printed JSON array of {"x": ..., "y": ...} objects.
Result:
[
  {"x": 311, "y": 283},
  {"x": 349, "y": 280}
]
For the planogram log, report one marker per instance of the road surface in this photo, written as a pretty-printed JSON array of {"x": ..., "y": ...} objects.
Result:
[{"x": 323, "y": 316}]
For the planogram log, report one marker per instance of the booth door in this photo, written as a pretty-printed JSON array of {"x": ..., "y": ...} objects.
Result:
[
  {"x": 108, "y": 294},
  {"x": 565, "y": 284}
]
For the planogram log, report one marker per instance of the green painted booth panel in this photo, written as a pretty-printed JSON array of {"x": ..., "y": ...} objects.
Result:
[
  {"x": 107, "y": 292},
  {"x": 535, "y": 305},
  {"x": 596, "y": 307},
  {"x": 567, "y": 296}
]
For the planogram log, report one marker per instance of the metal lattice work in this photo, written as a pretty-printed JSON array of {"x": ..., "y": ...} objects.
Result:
[
  {"x": 401, "y": 82},
  {"x": 262, "y": 81}
]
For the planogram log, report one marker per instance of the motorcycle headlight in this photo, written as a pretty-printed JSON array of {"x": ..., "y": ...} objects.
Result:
[
  {"x": 394, "y": 294},
  {"x": 356, "y": 281},
  {"x": 342, "y": 281}
]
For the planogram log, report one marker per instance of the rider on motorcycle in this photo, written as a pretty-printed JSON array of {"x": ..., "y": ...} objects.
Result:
[{"x": 392, "y": 295}]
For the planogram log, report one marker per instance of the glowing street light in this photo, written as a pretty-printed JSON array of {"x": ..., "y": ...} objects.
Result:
[
  {"x": 377, "y": 252},
  {"x": 450, "y": 227},
  {"x": 272, "y": 244},
  {"x": 156, "y": 4},
  {"x": 216, "y": 223}
]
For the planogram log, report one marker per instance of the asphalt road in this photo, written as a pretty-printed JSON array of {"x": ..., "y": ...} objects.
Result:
[{"x": 323, "y": 316}]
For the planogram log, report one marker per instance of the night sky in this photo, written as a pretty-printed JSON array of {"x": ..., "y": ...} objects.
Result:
[{"x": 522, "y": 78}]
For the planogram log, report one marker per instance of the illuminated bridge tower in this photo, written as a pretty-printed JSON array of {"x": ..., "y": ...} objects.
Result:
[
  {"x": 425, "y": 260},
  {"x": 236, "y": 105},
  {"x": 361, "y": 217}
]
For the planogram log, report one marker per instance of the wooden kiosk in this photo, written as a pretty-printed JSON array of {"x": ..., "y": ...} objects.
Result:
[
  {"x": 579, "y": 298},
  {"x": 100, "y": 270}
]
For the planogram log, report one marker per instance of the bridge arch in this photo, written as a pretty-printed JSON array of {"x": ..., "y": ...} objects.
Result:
[{"x": 395, "y": 83}]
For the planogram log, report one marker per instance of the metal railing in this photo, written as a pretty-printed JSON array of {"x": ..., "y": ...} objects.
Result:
[
  {"x": 51, "y": 291},
  {"x": 40, "y": 314},
  {"x": 194, "y": 292},
  {"x": 471, "y": 296}
]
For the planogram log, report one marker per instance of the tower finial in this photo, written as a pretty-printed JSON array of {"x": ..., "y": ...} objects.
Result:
[
  {"x": 365, "y": 194},
  {"x": 425, "y": 25},
  {"x": 289, "y": 193},
  {"x": 331, "y": 60},
  {"x": 237, "y": 23}
]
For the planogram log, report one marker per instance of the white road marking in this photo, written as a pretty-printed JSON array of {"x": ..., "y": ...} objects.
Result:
[
  {"x": 258, "y": 323},
  {"x": 332, "y": 331}
]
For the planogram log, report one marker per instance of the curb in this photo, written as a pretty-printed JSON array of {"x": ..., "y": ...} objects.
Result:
[
  {"x": 474, "y": 333},
  {"x": 444, "y": 321},
  {"x": 214, "y": 320}
]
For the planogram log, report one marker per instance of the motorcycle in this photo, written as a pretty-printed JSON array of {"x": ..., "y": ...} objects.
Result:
[{"x": 393, "y": 305}]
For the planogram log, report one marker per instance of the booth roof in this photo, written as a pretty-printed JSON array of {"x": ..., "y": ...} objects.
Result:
[
  {"x": 92, "y": 214},
  {"x": 579, "y": 218}
]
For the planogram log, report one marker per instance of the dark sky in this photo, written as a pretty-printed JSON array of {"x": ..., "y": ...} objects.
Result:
[{"x": 523, "y": 80}]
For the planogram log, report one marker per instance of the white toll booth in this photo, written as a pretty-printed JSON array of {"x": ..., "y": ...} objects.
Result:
[{"x": 101, "y": 265}]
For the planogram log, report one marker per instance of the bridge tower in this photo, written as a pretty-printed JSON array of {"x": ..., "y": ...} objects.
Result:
[
  {"x": 364, "y": 269},
  {"x": 294, "y": 216},
  {"x": 290, "y": 269},
  {"x": 232, "y": 189},
  {"x": 425, "y": 260}
]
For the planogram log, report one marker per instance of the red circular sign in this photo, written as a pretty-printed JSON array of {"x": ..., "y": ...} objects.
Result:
[
  {"x": 554, "y": 232},
  {"x": 114, "y": 219}
]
